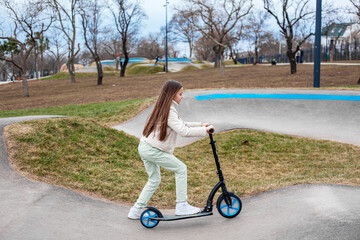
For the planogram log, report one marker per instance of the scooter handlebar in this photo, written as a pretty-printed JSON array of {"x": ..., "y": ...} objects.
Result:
[{"x": 211, "y": 130}]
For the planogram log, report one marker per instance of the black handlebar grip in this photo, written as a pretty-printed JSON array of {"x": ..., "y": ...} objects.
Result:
[{"x": 211, "y": 130}]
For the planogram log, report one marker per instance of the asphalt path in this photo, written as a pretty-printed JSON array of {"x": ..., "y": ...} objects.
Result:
[
  {"x": 34, "y": 210},
  {"x": 321, "y": 119}
]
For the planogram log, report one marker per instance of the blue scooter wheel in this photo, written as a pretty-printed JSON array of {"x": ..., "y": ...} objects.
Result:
[
  {"x": 146, "y": 216},
  {"x": 225, "y": 210}
]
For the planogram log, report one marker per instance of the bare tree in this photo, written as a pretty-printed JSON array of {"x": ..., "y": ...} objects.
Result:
[
  {"x": 128, "y": 16},
  {"x": 356, "y": 9},
  {"x": 216, "y": 20},
  {"x": 30, "y": 23},
  {"x": 294, "y": 18},
  {"x": 269, "y": 45},
  {"x": 183, "y": 29},
  {"x": 66, "y": 15},
  {"x": 9, "y": 48},
  {"x": 112, "y": 46},
  {"x": 233, "y": 40},
  {"x": 203, "y": 48},
  {"x": 90, "y": 12},
  {"x": 232, "y": 43},
  {"x": 150, "y": 47},
  {"x": 171, "y": 42},
  {"x": 256, "y": 31},
  {"x": 56, "y": 50},
  {"x": 41, "y": 45}
]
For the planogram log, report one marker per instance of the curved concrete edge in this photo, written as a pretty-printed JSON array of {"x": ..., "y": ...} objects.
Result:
[
  {"x": 318, "y": 119},
  {"x": 32, "y": 209},
  {"x": 4, "y": 162},
  {"x": 11, "y": 120}
]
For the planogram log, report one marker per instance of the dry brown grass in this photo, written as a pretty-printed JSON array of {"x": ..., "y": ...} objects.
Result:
[
  {"x": 48, "y": 93},
  {"x": 105, "y": 164}
]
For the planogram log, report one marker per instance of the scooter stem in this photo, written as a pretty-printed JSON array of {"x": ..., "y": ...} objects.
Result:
[{"x": 221, "y": 182}]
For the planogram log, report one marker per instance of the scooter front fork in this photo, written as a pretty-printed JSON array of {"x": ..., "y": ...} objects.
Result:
[
  {"x": 228, "y": 201},
  {"x": 227, "y": 197}
]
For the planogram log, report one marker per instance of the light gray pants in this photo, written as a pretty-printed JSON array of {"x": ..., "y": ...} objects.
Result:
[{"x": 153, "y": 159}]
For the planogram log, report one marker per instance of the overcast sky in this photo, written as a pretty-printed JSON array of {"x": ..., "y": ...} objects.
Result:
[{"x": 155, "y": 11}]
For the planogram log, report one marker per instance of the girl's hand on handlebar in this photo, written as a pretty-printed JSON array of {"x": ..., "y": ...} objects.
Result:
[
  {"x": 204, "y": 124},
  {"x": 209, "y": 128}
]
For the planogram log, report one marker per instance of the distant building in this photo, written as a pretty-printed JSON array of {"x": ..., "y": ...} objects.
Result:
[{"x": 345, "y": 37}]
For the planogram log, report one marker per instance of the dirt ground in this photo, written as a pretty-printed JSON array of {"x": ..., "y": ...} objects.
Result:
[{"x": 48, "y": 93}]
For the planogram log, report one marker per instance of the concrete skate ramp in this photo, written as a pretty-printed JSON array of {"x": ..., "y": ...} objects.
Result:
[{"x": 324, "y": 114}]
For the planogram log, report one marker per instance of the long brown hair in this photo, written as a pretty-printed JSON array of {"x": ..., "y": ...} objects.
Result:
[{"x": 160, "y": 115}]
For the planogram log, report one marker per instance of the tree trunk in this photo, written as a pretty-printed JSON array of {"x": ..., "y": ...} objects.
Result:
[
  {"x": 117, "y": 64},
  {"x": 12, "y": 68},
  {"x": 36, "y": 67},
  {"x": 217, "y": 51},
  {"x": 71, "y": 69},
  {"x": 222, "y": 69},
  {"x": 190, "y": 50},
  {"x": 42, "y": 65},
  {"x": 233, "y": 54},
  {"x": 256, "y": 55},
  {"x": 256, "y": 50},
  {"x": 100, "y": 71},
  {"x": 23, "y": 77},
  {"x": 122, "y": 70},
  {"x": 25, "y": 84},
  {"x": 292, "y": 61},
  {"x": 233, "y": 57},
  {"x": 123, "y": 66},
  {"x": 332, "y": 53},
  {"x": 291, "y": 55}
]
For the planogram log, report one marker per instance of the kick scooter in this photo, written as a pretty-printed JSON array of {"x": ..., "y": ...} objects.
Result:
[{"x": 228, "y": 204}]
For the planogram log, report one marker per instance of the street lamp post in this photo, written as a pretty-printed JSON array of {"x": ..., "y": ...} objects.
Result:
[
  {"x": 166, "y": 37},
  {"x": 317, "y": 45}
]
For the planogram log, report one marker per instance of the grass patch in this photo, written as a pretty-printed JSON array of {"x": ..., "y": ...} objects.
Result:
[
  {"x": 132, "y": 65},
  {"x": 230, "y": 62},
  {"x": 189, "y": 68},
  {"x": 108, "y": 69},
  {"x": 83, "y": 155},
  {"x": 206, "y": 66},
  {"x": 66, "y": 75},
  {"x": 143, "y": 70},
  {"x": 50, "y": 93},
  {"x": 356, "y": 87},
  {"x": 255, "y": 161},
  {"x": 106, "y": 113},
  {"x": 78, "y": 154}
]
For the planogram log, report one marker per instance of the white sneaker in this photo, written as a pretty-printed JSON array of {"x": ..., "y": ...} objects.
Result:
[
  {"x": 135, "y": 213},
  {"x": 183, "y": 208}
]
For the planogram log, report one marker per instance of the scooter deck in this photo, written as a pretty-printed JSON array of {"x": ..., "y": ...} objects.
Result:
[{"x": 173, "y": 218}]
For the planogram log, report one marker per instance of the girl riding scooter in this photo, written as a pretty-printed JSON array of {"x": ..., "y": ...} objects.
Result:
[{"x": 157, "y": 146}]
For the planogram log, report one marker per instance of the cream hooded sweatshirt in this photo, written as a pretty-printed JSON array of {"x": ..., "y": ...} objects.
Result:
[{"x": 175, "y": 126}]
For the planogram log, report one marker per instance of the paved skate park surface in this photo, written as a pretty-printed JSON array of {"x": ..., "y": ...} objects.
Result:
[
  {"x": 35, "y": 210},
  {"x": 270, "y": 110}
]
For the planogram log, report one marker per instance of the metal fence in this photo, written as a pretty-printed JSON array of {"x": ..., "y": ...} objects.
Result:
[{"x": 344, "y": 52}]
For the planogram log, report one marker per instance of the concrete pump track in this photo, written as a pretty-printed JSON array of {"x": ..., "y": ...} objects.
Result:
[{"x": 35, "y": 210}]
